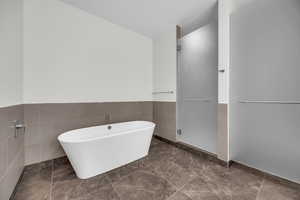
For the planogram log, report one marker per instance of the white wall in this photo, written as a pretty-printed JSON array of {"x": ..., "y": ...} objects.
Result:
[
  {"x": 72, "y": 56},
  {"x": 11, "y": 148},
  {"x": 165, "y": 66},
  {"x": 224, "y": 10},
  {"x": 10, "y": 52}
]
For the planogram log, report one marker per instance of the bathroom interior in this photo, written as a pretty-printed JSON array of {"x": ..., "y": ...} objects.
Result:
[{"x": 149, "y": 99}]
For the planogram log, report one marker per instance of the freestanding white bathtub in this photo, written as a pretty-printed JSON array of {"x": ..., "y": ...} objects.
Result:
[{"x": 98, "y": 149}]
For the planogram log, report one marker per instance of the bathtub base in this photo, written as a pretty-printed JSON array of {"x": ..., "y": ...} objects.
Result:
[{"x": 103, "y": 171}]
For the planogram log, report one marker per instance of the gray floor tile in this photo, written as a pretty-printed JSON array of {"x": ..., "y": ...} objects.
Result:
[{"x": 167, "y": 173}]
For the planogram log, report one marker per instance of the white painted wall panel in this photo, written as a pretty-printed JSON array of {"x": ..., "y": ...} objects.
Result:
[
  {"x": 73, "y": 56},
  {"x": 165, "y": 66},
  {"x": 10, "y": 52}
]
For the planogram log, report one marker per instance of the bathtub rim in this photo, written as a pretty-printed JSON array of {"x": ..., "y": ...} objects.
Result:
[{"x": 61, "y": 140}]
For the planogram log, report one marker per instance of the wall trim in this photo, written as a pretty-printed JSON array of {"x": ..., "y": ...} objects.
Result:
[{"x": 11, "y": 105}]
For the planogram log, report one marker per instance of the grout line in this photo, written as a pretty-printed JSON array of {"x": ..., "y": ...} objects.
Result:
[
  {"x": 213, "y": 190},
  {"x": 51, "y": 183},
  {"x": 260, "y": 188},
  {"x": 114, "y": 189},
  {"x": 172, "y": 195},
  {"x": 179, "y": 189},
  {"x": 164, "y": 178},
  {"x": 137, "y": 188},
  {"x": 159, "y": 175},
  {"x": 207, "y": 183},
  {"x": 114, "y": 182},
  {"x": 139, "y": 169},
  {"x": 123, "y": 177}
]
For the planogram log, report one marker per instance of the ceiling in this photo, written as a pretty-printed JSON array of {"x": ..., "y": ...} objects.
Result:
[{"x": 151, "y": 17}]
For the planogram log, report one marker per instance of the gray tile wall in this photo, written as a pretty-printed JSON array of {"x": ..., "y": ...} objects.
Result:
[
  {"x": 164, "y": 115},
  {"x": 45, "y": 122},
  {"x": 222, "y": 139},
  {"x": 11, "y": 150}
]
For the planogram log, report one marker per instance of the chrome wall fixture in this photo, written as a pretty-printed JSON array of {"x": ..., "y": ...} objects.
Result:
[
  {"x": 17, "y": 126},
  {"x": 163, "y": 92}
]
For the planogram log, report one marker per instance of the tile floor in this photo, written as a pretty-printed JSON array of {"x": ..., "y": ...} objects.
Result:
[{"x": 167, "y": 173}]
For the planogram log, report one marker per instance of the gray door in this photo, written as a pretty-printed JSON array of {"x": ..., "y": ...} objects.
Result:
[
  {"x": 198, "y": 88},
  {"x": 264, "y": 85}
]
